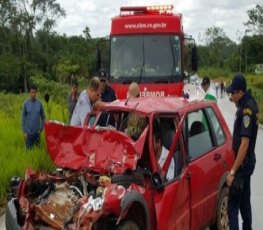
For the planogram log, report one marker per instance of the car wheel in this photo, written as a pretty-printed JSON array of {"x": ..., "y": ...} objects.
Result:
[
  {"x": 221, "y": 214},
  {"x": 128, "y": 225},
  {"x": 126, "y": 179}
]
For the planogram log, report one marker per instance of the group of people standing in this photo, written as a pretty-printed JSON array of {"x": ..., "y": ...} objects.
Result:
[{"x": 96, "y": 95}]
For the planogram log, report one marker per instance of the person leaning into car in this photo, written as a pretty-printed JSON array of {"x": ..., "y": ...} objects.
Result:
[
  {"x": 244, "y": 141},
  {"x": 86, "y": 101}
]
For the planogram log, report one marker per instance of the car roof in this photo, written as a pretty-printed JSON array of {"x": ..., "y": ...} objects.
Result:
[{"x": 151, "y": 105}]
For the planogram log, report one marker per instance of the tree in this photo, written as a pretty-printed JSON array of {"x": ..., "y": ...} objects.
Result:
[
  {"x": 9, "y": 68},
  {"x": 65, "y": 70},
  {"x": 253, "y": 51},
  {"x": 21, "y": 19},
  {"x": 213, "y": 33},
  {"x": 86, "y": 32},
  {"x": 218, "y": 48},
  {"x": 255, "y": 22}
]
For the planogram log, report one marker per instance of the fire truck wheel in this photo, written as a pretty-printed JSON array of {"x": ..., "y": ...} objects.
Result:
[
  {"x": 128, "y": 225},
  {"x": 126, "y": 179},
  {"x": 221, "y": 214}
]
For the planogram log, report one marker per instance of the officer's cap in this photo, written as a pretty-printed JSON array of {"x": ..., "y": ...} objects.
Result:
[
  {"x": 103, "y": 75},
  {"x": 238, "y": 83}
]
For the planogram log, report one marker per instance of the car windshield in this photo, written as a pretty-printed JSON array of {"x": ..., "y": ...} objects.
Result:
[{"x": 148, "y": 58}]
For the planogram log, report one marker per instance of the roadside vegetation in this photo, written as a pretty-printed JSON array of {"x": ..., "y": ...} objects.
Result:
[
  {"x": 255, "y": 83},
  {"x": 14, "y": 157}
]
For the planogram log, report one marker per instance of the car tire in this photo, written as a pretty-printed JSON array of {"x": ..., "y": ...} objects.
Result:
[
  {"x": 128, "y": 225},
  {"x": 127, "y": 179},
  {"x": 221, "y": 222}
]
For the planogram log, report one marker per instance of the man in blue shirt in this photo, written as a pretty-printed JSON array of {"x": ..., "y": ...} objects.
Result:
[{"x": 33, "y": 117}]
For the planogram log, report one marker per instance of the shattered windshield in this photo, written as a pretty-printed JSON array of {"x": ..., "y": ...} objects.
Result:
[
  {"x": 130, "y": 123},
  {"x": 148, "y": 58}
]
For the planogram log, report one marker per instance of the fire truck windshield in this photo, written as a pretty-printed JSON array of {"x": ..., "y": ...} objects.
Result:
[{"x": 146, "y": 58}]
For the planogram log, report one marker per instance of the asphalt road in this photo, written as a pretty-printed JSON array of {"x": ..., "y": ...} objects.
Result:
[{"x": 228, "y": 110}]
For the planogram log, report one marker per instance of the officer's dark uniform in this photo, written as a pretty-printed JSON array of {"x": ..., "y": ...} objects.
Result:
[
  {"x": 107, "y": 96},
  {"x": 245, "y": 126}
]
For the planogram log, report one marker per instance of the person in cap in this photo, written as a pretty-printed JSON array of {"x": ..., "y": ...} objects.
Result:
[
  {"x": 86, "y": 101},
  {"x": 107, "y": 95},
  {"x": 209, "y": 92},
  {"x": 107, "y": 92},
  {"x": 244, "y": 141},
  {"x": 72, "y": 98}
]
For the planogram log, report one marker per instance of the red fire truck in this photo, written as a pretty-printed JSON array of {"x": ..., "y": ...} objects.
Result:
[{"x": 147, "y": 46}]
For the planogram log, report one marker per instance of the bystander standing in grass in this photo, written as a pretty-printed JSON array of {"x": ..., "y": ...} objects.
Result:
[
  {"x": 33, "y": 117},
  {"x": 73, "y": 98}
]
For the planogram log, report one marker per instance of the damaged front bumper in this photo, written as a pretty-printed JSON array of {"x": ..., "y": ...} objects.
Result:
[{"x": 71, "y": 200}]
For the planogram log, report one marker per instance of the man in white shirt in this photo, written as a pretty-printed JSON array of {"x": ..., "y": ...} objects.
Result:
[
  {"x": 161, "y": 152},
  {"x": 86, "y": 100}
]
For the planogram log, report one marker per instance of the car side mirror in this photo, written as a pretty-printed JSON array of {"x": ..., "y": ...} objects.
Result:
[{"x": 157, "y": 181}]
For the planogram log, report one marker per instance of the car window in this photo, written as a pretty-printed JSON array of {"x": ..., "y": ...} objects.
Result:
[
  {"x": 198, "y": 134},
  {"x": 219, "y": 134}
]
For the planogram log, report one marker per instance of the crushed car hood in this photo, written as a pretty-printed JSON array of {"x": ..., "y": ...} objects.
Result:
[{"x": 102, "y": 151}]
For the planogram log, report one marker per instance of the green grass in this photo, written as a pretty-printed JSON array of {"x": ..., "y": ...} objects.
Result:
[
  {"x": 255, "y": 83},
  {"x": 14, "y": 157}
]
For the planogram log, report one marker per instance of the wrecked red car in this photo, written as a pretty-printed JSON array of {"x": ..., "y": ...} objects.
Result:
[{"x": 146, "y": 163}]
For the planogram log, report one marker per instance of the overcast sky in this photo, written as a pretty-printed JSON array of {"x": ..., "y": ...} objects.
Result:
[{"x": 197, "y": 15}]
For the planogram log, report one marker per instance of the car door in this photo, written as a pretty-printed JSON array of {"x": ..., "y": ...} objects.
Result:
[
  {"x": 206, "y": 166},
  {"x": 173, "y": 202}
]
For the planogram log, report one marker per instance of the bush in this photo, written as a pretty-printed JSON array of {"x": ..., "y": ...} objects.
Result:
[{"x": 214, "y": 72}]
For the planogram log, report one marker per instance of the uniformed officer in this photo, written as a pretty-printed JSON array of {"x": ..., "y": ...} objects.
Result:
[
  {"x": 107, "y": 95},
  {"x": 244, "y": 141}
]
